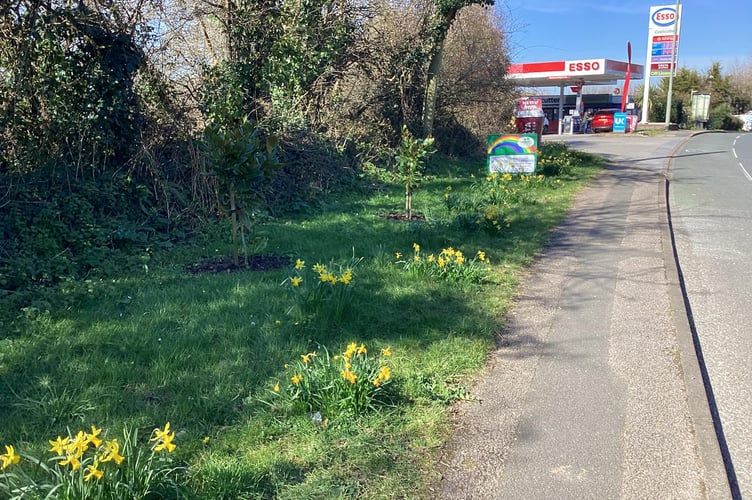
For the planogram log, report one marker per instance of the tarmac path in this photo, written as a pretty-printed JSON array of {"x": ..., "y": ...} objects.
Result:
[{"x": 594, "y": 390}]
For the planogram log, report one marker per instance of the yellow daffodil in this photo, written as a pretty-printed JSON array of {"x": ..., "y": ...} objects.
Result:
[
  {"x": 93, "y": 472},
  {"x": 385, "y": 373},
  {"x": 78, "y": 445},
  {"x": 351, "y": 348},
  {"x": 397, "y": 255},
  {"x": 346, "y": 277},
  {"x": 481, "y": 255},
  {"x": 299, "y": 264},
  {"x": 416, "y": 247},
  {"x": 9, "y": 457},
  {"x": 296, "y": 379},
  {"x": 362, "y": 349},
  {"x": 166, "y": 444},
  {"x": 276, "y": 387},
  {"x": 349, "y": 376},
  {"x": 296, "y": 280},
  {"x": 93, "y": 438},
  {"x": 163, "y": 439},
  {"x": 386, "y": 352},
  {"x": 158, "y": 434},
  {"x": 206, "y": 439},
  {"x": 58, "y": 446},
  {"x": 326, "y": 277},
  {"x": 71, "y": 460},
  {"x": 306, "y": 358},
  {"x": 319, "y": 268},
  {"x": 111, "y": 452}
]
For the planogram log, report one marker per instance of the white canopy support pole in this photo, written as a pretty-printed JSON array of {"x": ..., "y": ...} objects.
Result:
[{"x": 561, "y": 108}]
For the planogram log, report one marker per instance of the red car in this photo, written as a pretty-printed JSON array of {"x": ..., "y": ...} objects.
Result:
[{"x": 603, "y": 120}]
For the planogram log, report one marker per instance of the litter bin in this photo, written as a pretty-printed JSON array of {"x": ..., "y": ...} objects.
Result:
[{"x": 530, "y": 122}]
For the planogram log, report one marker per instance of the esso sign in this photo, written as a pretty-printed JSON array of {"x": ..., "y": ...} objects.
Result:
[
  {"x": 580, "y": 66},
  {"x": 664, "y": 17}
]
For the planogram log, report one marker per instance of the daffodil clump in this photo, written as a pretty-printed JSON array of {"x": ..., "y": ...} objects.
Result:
[
  {"x": 492, "y": 201},
  {"x": 320, "y": 288},
  {"x": 349, "y": 383},
  {"x": 86, "y": 465},
  {"x": 506, "y": 189},
  {"x": 449, "y": 264},
  {"x": 556, "y": 159}
]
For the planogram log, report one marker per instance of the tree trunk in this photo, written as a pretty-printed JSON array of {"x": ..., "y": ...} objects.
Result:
[
  {"x": 234, "y": 220},
  {"x": 432, "y": 89},
  {"x": 442, "y": 24}
]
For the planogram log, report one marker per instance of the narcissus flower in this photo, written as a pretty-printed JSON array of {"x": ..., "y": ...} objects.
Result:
[
  {"x": 93, "y": 438},
  {"x": 112, "y": 452},
  {"x": 93, "y": 472},
  {"x": 349, "y": 376},
  {"x": 58, "y": 446},
  {"x": 163, "y": 439},
  {"x": 9, "y": 457}
]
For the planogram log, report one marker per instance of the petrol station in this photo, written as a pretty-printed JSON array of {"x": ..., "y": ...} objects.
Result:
[{"x": 574, "y": 74}]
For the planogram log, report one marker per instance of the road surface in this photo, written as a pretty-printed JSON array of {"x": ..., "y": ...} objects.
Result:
[{"x": 711, "y": 207}]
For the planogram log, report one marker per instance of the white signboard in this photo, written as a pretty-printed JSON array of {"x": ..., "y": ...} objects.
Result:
[{"x": 663, "y": 40}]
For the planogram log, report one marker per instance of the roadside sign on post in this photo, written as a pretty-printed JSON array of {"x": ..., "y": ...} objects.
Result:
[
  {"x": 512, "y": 153},
  {"x": 620, "y": 122},
  {"x": 700, "y": 107}
]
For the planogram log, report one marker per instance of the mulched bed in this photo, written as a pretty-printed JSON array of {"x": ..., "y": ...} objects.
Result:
[
  {"x": 403, "y": 217},
  {"x": 255, "y": 263}
]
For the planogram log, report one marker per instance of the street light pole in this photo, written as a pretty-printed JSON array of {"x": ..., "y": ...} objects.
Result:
[{"x": 674, "y": 54}]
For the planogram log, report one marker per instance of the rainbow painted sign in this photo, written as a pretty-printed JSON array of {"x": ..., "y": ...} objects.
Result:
[{"x": 512, "y": 153}]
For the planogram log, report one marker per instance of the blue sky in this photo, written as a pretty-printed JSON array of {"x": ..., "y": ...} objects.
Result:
[{"x": 553, "y": 30}]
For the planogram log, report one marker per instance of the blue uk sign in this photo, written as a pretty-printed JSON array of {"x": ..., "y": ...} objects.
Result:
[{"x": 620, "y": 122}]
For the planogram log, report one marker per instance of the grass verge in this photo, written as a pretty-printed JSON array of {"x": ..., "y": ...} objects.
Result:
[{"x": 216, "y": 354}]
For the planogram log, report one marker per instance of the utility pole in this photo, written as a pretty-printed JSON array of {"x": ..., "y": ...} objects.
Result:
[{"x": 674, "y": 57}]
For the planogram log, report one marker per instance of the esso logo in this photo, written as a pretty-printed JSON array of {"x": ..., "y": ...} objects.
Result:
[
  {"x": 584, "y": 66},
  {"x": 664, "y": 17}
]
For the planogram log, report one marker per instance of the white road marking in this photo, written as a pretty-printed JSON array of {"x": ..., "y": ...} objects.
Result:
[{"x": 746, "y": 174}]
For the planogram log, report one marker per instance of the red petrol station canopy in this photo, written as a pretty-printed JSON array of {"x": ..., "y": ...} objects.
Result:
[{"x": 575, "y": 73}]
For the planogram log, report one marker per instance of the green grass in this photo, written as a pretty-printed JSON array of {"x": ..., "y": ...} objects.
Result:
[{"x": 203, "y": 351}]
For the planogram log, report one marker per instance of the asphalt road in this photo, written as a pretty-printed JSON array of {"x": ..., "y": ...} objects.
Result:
[
  {"x": 595, "y": 390},
  {"x": 711, "y": 206}
]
